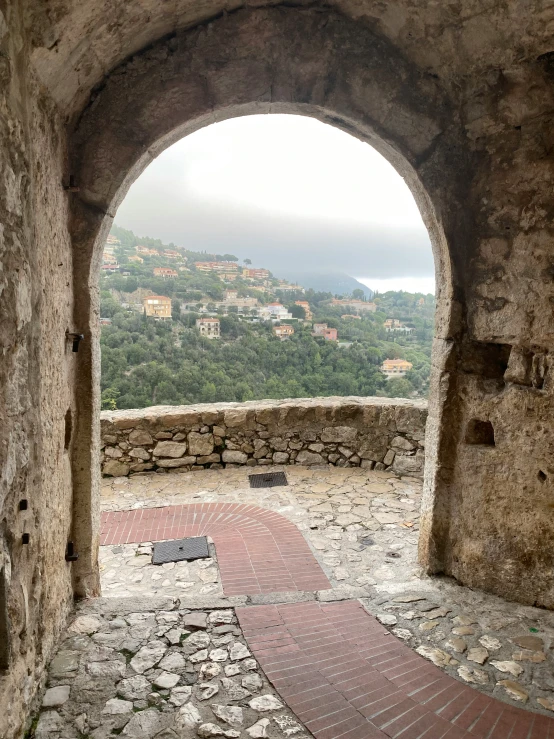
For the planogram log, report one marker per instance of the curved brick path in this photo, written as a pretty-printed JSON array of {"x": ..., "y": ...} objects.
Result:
[
  {"x": 258, "y": 551},
  {"x": 346, "y": 677},
  {"x": 342, "y": 673}
]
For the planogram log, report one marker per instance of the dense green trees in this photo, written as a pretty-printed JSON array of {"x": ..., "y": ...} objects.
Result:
[{"x": 145, "y": 362}]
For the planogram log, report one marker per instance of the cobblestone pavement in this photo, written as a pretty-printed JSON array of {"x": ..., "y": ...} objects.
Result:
[{"x": 161, "y": 654}]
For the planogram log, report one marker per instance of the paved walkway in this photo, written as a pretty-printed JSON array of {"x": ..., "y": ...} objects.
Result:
[
  {"x": 346, "y": 677},
  {"x": 259, "y": 551},
  {"x": 323, "y": 578}
]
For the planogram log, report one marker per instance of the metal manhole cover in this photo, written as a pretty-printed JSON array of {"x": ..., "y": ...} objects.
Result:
[
  {"x": 195, "y": 547},
  {"x": 268, "y": 480}
]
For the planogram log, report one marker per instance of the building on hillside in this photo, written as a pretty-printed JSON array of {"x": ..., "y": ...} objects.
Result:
[
  {"x": 208, "y": 327},
  {"x": 105, "y": 321},
  {"x": 170, "y": 254},
  {"x": 330, "y": 334},
  {"x": 421, "y": 301},
  {"x": 274, "y": 312},
  {"x": 227, "y": 276},
  {"x": 113, "y": 240},
  {"x": 391, "y": 324},
  {"x": 322, "y": 329},
  {"x": 136, "y": 258},
  {"x": 146, "y": 250},
  {"x": 109, "y": 268},
  {"x": 230, "y": 295},
  {"x": 216, "y": 266},
  {"x": 349, "y": 316},
  {"x": 165, "y": 272},
  {"x": 255, "y": 274},
  {"x": 157, "y": 307},
  {"x": 283, "y": 331},
  {"x": 290, "y": 288},
  {"x": 307, "y": 310},
  {"x": 359, "y": 305},
  {"x": 396, "y": 367},
  {"x": 184, "y": 269},
  {"x": 109, "y": 258}
]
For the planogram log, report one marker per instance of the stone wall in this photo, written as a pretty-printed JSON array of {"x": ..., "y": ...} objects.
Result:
[
  {"x": 380, "y": 433},
  {"x": 36, "y": 376}
]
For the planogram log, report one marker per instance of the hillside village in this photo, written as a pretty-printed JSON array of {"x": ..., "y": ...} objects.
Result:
[{"x": 194, "y": 297}]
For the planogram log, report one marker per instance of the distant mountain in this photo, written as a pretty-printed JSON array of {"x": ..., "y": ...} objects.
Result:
[{"x": 330, "y": 282}]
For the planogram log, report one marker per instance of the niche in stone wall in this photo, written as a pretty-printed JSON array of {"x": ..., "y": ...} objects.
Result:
[
  {"x": 479, "y": 433},
  {"x": 4, "y": 623},
  {"x": 485, "y": 359}
]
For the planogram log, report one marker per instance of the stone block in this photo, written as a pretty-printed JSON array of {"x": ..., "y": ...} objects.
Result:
[
  {"x": 140, "y": 437},
  {"x": 234, "y": 457},
  {"x": 339, "y": 434},
  {"x": 115, "y": 469},
  {"x": 308, "y": 458},
  {"x": 171, "y": 449},
  {"x": 173, "y": 463},
  {"x": 201, "y": 444}
]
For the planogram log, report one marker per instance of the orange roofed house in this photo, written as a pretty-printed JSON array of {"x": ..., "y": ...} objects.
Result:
[
  {"x": 322, "y": 329},
  {"x": 158, "y": 307},
  {"x": 282, "y": 332},
  {"x": 396, "y": 367},
  {"x": 165, "y": 272}
]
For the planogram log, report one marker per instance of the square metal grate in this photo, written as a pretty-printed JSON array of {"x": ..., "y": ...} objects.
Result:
[
  {"x": 268, "y": 480},
  {"x": 195, "y": 547}
]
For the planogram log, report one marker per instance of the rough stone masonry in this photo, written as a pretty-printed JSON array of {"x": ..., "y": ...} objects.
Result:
[
  {"x": 370, "y": 433},
  {"x": 458, "y": 96}
]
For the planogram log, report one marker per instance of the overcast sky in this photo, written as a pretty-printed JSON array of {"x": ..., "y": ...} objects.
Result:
[{"x": 290, "y": 193}]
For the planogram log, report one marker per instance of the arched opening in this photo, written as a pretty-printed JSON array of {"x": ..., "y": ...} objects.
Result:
[
  {"x": 120, "y": 133},
  {"x": 263, "y": 227}
]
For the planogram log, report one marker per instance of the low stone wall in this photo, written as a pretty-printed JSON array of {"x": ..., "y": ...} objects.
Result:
[{"x": 380, "y": 433}]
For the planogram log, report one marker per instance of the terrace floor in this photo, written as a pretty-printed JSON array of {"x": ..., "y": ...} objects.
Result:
[{"x": 310, "y": 618}]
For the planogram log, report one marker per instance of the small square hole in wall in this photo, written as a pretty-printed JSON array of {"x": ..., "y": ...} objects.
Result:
[{"x": 479, "y": 432}]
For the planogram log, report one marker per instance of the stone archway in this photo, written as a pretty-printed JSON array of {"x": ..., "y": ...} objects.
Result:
[
  {"x": 281, "y": 60},
  {"x": 490, "y": 359}
]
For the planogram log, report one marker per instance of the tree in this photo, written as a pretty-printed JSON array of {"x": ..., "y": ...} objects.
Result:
[
  {"x": 247, "y": 261},
  {"x": 297, "y": 311},
  {"x": 358, "y": 294}
]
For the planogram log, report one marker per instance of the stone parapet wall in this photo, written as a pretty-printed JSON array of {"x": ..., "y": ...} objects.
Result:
[{"x": 373, "y": 433}]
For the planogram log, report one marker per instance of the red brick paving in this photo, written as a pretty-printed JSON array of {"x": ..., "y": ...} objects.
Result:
[
  {"x": 346, "y": 677},
  {"x": 258, "y": 551}
]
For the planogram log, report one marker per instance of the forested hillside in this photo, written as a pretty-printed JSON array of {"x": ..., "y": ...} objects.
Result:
[{"x": 148, "y": 362}]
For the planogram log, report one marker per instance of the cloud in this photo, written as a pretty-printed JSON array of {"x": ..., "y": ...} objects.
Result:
[{"x": 288, "y": 192}]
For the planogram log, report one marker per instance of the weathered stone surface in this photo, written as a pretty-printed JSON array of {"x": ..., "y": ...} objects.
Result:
[
  {"x": 140, "y": 437},
  {"x": 170, "y": 449},
  {"x": 339, "y": 434},
  {"x": 115, "y": 469},
  {"x": 309, "y": 458},
  {"x": 56, "y": 696},
  {"x": 148, "y": 656},
  {"x": 265, "y": 703},
  {"x": 234, "y": 457},
  {"x": 514, "y": 690},
  {"x": 200, "y": 444}
]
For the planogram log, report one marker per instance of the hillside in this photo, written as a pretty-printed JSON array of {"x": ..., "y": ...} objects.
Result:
[{"x": 147, "y": 361}]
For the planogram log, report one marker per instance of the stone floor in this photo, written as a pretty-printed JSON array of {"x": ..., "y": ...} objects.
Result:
[{"x": 362, "y": 528}]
